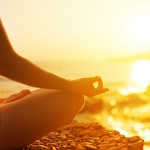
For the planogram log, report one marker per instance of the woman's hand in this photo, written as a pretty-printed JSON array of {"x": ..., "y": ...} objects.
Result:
[
  {"x": 85, "y": 86},
  {"x": 17, "y": 96}
]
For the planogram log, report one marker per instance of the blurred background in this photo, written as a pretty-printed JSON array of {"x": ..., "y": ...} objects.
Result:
[{"x": 76, "y": 39}]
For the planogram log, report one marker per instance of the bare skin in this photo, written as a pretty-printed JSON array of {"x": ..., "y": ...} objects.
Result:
[{"x": 27, "y": 116}]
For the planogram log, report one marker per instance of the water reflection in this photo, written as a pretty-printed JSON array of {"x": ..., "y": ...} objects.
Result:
[
  {"x": 139, "y": 78},
  {"x": 127, "y": 107},
  {"x": 128, "y": 114}
]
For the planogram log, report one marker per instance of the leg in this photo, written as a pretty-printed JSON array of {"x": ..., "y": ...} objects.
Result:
[{"x": 35, "y": 115}]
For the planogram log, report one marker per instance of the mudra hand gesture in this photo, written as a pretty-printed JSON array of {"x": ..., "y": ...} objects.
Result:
[
  {"x": 85, "y": 86},
  {"x": 27, "y": 116}
]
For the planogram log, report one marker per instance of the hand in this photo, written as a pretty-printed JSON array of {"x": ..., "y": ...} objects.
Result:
[
  {"x": 17, "y": 96},
  {"x": 85, "y": 86}
]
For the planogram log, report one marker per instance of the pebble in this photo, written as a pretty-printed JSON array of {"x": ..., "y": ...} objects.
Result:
[
  {"x": 39, "y": 147},
  {"x": 86, "y": 136},
  {"x": 134, "y": 139},
  {"x": 90, "y": 147}
]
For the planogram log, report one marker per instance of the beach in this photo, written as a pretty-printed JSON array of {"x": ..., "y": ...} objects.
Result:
[
  {"x": 121, "y": 113},
  {"x": 86, "y": 136}
]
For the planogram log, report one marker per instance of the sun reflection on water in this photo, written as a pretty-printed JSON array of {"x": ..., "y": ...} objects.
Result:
[
  {"x": 125, "y": 124},
  {"x": 126, "y": 109},
  {"x": 140, "y": 78},
  {"x": 129, "y": 114}
]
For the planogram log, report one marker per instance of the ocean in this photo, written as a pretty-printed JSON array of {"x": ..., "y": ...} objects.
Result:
[
  {"x": 109, "y": 72},
  {"x": 126, "y": 105}
]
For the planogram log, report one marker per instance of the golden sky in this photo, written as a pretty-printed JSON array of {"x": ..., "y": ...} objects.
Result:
[{"x": 77, "y": 29}]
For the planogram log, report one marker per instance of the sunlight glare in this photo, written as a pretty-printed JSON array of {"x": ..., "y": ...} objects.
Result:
[
  {"x": 140, "y": 78},
  {"x": 139, "y": 30},
  {"x": 141, "y": 73}
]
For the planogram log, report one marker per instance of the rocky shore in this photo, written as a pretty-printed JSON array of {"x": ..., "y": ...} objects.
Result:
[{"x": 86, "y": 136}]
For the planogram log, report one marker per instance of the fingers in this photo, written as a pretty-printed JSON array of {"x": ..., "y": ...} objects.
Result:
[
  {"x": 99, "y": 88},
  {"x": 15, "y": 97},
  {"x": 23, "y": 92},
  {"x": 89, "y": 86},
  {"x": 105, "y": 90},
  {"x": 97, "y": 80},
  {"x": 2, "y": 100},
  {"x": 26, "y": 91}
]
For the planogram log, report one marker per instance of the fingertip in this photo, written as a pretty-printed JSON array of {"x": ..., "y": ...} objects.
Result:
[
  {"x": 98, "y": 77},
  {"x": 105, "y": 90}
]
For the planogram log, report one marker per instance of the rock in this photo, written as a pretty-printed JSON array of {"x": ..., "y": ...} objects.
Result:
[
  {"x": 86, "y": 136},
  {"x": 39, "y": 147},
  {"x": 90, "y": 147},
  {"x": 134, "y": 139},
  {"x": 136, "y": 146}
]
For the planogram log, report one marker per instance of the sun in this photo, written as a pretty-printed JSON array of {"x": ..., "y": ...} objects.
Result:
[
  {"x": 141, "y": 73},
  {"x": 139, "y": 78}
]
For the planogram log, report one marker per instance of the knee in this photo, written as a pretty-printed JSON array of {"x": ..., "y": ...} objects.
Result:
[
  {"x": 80, "y": 100},
  {"x": 76, "y": 101}
]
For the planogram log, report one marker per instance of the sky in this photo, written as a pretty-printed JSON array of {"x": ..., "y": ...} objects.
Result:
[{"x": 77, "y": 30}]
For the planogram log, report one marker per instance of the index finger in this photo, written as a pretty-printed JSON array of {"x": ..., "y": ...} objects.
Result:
[{"x": 100, "y": 82}]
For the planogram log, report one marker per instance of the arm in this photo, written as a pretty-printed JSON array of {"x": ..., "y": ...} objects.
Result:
[{"x": 21, "y": 70}]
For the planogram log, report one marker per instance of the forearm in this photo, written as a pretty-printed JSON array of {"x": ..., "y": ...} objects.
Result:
[
  {"x": 23, "y": 71},
  {"x": 19, "y": 69}
]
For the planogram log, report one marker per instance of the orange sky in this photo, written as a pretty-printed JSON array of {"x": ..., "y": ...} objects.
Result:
[{"x": 77, "y": 29}]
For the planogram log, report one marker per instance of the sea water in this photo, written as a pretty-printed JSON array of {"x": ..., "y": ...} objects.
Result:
[{"x": 108, "y": 71}]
